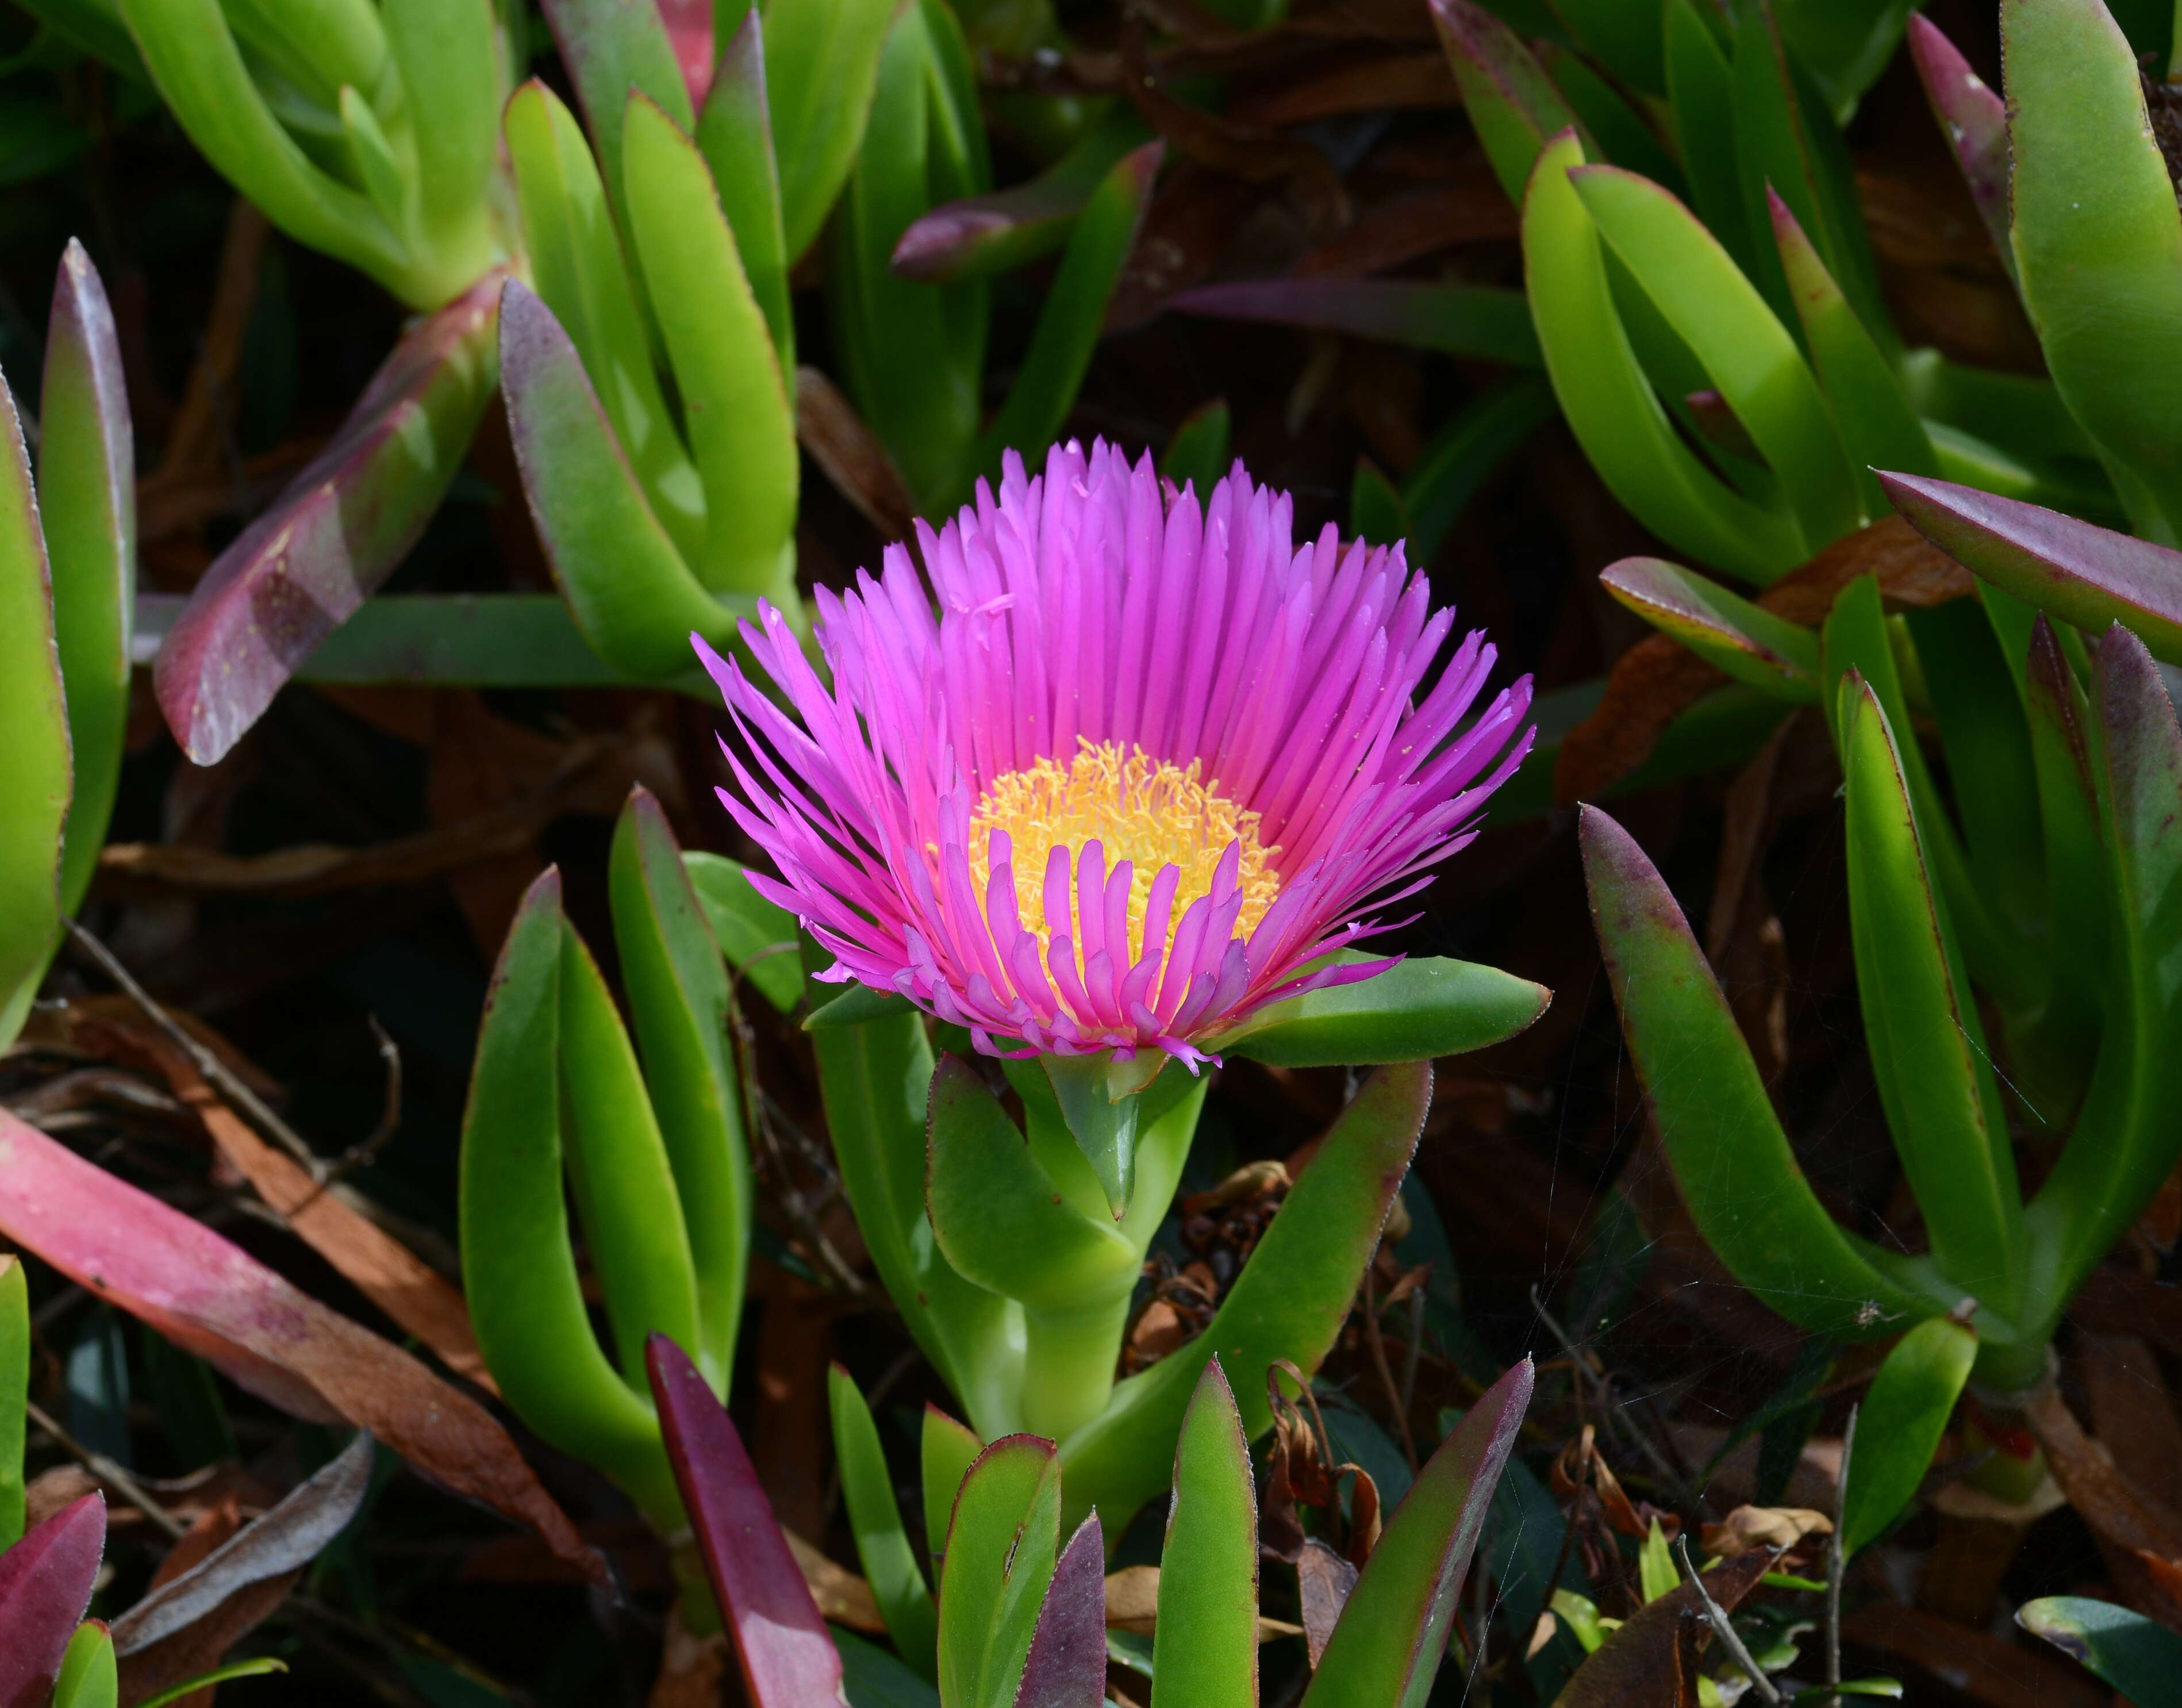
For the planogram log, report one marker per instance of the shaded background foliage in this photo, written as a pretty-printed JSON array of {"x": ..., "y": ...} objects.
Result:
[{"x": 1538, "y": 1190}]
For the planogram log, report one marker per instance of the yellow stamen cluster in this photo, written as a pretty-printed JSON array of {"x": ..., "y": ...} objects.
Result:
[{"x": 1146, "y": 811}]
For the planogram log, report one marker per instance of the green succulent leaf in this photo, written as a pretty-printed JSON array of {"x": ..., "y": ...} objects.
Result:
[
  {"x": 821, "y": 59},
  {"x": 1415, "y": 1010},
  {"x": 734, "y": 394},
  {"x": 519, "y": 1266},
  {"x": 632, "y": 595},
  {"x": 1002, "y": 1541},
  {"x": 451, "y": 81},
  {"x": 682, "y": 1008},
  {"x": 576, "y": 265},
  {"x": 1513, "y": 104},
  {"x": 1869, "y": 404},
  {"x": 623, "y": 1183},
  {"x": 1386, "y": 1648},
  {"x": 34, "y": 710},
  {"x": 1609, "y": 403},
  {"x": 89, "y": 1675},
  {"x": 1204, "y": 1652},
  {"x": 1700, "y": 104},
  {"x": 1786, "y": 140},
  {"x": 997, "y": 1216},
  {"x": 1746, "y": 352},
  {"x": 946, "y": 1451},
  {"x": 1921, "y": 1026},
  {"x": 611, "y": 47},
  {"x": 757, "y": 936},
  {"x": 735, "y": 134},
  {"x": 2098, "y": 241},
  {"x": 875, "y": 1077},
  {"x": 15, "y": 1392},
  {"x": 1736, "y": 1171},
  {"x": 2124, "y": 1141},
  {"x": 889, "y": 1564},
  {"x": 87, "y": 506}
]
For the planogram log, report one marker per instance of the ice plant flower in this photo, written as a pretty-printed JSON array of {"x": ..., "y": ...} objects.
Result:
[{"x": 1148, "y": 768}]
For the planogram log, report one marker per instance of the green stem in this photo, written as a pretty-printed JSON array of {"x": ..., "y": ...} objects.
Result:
[{"x": 1068, "y": 1364}]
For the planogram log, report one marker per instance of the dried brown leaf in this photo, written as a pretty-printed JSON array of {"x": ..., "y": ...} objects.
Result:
[{"x": 1323, "y": 1581}]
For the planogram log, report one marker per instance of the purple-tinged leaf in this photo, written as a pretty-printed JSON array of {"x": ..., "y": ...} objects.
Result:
[
  {"x": 2123, "y": 1144},
  {"x": 1513, "y": 104},
  {"x": 610, "y": 47},
  {"x": 788, "y": 1658},
  {"x": 210, "y": 1297},
  {"x": 1739, "y": 1175},
  {"x": 689, "y": 32},
  {"x": 1457, "y": 319},
  {"x": 1068, "y": 1664},
  {"x": 632, "y": 595},
  {"x": 2077, "y": 571},
  {"x": 87, "y": 503},
  {"x": 46, "y": 1581},
  {"x": 978, "y": 236},
  {"x": 295, "y": 573},
  {"x": 1393, "y": 1627},
  {"x": 1745, "y": 639},
  {"x": 1976, "y": 121}
]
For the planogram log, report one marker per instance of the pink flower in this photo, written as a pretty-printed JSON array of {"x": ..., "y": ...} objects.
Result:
[{"x": 1146, "y": 771}]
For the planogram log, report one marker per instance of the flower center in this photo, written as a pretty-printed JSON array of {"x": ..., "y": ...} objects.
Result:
[{"x": 1146, "y": 811}]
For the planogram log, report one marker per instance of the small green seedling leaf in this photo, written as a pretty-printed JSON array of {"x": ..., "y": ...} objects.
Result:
[{"x": 1899, "y": 1425}]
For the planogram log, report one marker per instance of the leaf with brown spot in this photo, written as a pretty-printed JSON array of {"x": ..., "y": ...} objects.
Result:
[{"x": 212, "y": 1299}]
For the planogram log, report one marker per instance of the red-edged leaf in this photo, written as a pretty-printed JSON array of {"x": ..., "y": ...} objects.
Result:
[
  {"x": 1068, "y": 1664},
  {"x": 981, "y": 235},
  {"x": 295, "y": 573},
  {"x": 610, "y": 47},
  {"x": 1393, "y": 1627},
  {"x": 46, "y": 1581},
  {"x": 1976, "y": 121},
  {"x": 2077, "y": 571},
  {"x": 214, "y": 1299},
  {"x": 788, "y": 1658}
]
